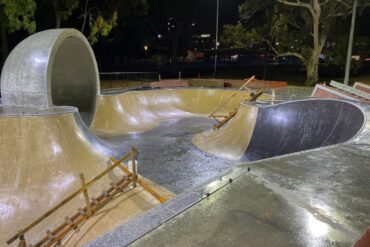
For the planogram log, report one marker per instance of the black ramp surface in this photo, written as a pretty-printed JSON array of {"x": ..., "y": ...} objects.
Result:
[{"x": 302, "y": 125}]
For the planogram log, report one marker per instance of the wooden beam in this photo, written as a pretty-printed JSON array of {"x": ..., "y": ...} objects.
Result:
[
  {"x": 86, "y": 195},
  {"x": 133, "y": 160},
  {"x": 78, "y": 218},
  {"x": 232, "y": 96},
  {"x": 142, "y": 183},
  {"x": 69, "y": 198}
]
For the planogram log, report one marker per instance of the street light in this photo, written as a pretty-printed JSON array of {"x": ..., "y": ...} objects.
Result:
[
  {"x": 146, "y": 50},
  {"x": 216, "y": 42},
  {"x": 350, "y": 43}
]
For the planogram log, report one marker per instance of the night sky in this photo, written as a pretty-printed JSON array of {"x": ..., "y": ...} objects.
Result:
[
  {"x": 128, "y": 39},
  {"x": 207, "y": 22}
]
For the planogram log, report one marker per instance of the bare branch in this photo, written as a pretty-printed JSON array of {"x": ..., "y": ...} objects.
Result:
[
  {"x": 325, "y": 2},
  {"x": 288, "y": 53},
  {"x": 283, "y": 54},
  {"x": 298, "y": 3},
  {"x": 344, "y": 3},
  {"x": 294, "y": 24}
]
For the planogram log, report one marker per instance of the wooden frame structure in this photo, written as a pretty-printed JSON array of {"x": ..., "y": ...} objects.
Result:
[
  {"x": 54, "y": 237},
  {"x": 232, "y": 96},
  {"x": 228, "y": 117}
]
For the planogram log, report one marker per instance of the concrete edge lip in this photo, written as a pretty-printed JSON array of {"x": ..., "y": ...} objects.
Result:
[
  {"x": 161, "y": 214},
  {"x": 6, "y": 111},
  {"x": 354, "y": 103}
]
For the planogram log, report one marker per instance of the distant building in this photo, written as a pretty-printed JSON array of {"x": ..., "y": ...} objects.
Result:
[{"x": 203, "y": 41}]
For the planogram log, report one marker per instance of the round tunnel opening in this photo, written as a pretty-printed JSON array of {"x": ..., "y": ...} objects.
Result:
[{"x": 74, "y": 77}]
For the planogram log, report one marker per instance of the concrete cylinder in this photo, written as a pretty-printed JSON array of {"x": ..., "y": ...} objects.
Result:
[{"x": 49, "y": 68}]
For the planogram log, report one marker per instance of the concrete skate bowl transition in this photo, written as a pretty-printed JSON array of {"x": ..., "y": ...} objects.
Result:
[
  {"x": 259, "y": 132},
  {"x": 143, "y": 110},
  {"x": 53, "y": 67},
  {"x": 41, "y": 158}
]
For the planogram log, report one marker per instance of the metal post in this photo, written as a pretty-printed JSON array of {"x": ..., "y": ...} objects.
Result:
[
  {"x": 134, "y": 174},
  {"x": 350, "y": 43},
  {"x": 86, "y": 194},
  {"x": 216, "y": 45}
]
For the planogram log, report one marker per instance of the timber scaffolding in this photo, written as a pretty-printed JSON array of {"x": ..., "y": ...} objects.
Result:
[
  {"x": 230, "y": 115},
  {"x": 54, "y": 237}
]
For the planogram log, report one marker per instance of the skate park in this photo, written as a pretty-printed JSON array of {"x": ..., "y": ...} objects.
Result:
[{"x": 266, "y": 169}]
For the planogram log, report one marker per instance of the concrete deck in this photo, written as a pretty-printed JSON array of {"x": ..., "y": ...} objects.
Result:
[{"x": 317, "y": 198}]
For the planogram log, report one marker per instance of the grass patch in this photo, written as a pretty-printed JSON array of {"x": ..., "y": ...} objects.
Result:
[
  {"x": 109, "y": 84},
  {"x": 206, "y": 83}
]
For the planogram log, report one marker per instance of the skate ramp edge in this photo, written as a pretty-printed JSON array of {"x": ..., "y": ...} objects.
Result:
[
  {"x": 231, "y": 140},
  {"x": 259, "y": 132}
]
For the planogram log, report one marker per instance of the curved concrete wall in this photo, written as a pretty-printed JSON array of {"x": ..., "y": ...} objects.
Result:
[
  {"x": 144, "y": 110},
  {"x": 53, "y": 67},
  {"x": 301, "y": 125},
  {"x": 41, "y": 159}
]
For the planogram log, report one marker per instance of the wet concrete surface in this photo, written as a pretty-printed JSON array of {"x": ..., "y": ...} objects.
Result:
[
  {"x": 314, "y": 198},
  {"x": 168, "y": 156}
]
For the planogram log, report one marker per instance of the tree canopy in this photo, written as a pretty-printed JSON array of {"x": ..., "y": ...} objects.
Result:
[
  {"x": 103, "y": 17},
  {"x": 94, "y": 18},
  {"x": 297, "y": 28},
  {"x": 15, "y": 15}
]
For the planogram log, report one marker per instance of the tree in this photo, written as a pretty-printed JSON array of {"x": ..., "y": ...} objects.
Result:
[
  {"x": 102, "y": 17},
  {"x": 63, "y": 10},
  {"x": 297, "y": 28},
  {"x": 15, "y": 15}
]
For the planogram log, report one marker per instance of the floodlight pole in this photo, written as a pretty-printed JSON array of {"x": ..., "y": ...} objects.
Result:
[
  {"x": 216, "y": 42},
  {"x": 350, "y": 43}
]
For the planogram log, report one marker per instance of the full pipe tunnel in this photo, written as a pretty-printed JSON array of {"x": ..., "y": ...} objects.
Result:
[
  {"x": 302, "y": 125},
  {"x": 52, "y": 68}
]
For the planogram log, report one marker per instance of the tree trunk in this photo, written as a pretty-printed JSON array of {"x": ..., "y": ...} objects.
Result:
[
  {"x": 85, "y": 15},
  {"x": 57, "y": 21},
  {"x": 313, "y": 61},
  {"x": 58, "y": 17},
  {"x": 313, "y": 69},
  {"x": 312, "y": 72},
  {"x": 4, "y": 49}
]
